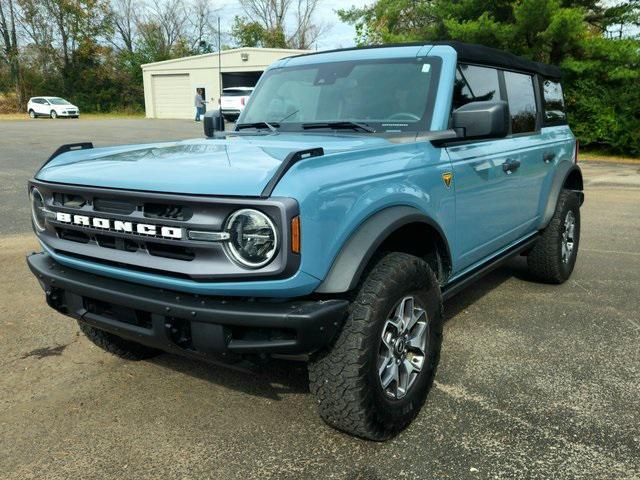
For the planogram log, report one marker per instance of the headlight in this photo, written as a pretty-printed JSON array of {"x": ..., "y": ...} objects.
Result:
[
  {"x": 253, "y": 240},
  {"x": 37, "y": 209}
]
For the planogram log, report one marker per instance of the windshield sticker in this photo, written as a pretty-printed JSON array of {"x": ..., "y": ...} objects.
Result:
[{"x": 426, "y": 67}]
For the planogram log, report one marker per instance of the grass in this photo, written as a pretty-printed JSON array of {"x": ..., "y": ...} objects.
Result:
[
  {"x": 599, "y": 156},
  {"x": 85, "y": 116}
]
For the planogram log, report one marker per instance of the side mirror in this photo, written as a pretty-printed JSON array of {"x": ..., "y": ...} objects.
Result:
[
  {"x": 213, "y": 122},
  {"x": 482, "y": 120}
]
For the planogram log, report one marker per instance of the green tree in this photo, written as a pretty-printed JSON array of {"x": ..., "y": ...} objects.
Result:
[
  {"x": 264, "y": 24},
  {"x": 253, "y": 34},
  {"x": 601, "y": 67}
]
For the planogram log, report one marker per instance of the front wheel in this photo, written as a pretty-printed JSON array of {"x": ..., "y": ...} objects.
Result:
[
  {"x": 553, "y": 257},
  {"x": 374, "y": 379},
  {"x": 53, "y": 114}
]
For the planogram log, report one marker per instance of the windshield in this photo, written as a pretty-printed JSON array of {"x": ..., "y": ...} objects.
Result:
[
  {"x": 387, "y": 95},
  {"x": 58, "y": 101}
]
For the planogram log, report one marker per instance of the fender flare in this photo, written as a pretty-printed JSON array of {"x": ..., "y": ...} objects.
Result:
[
  {"x": 355, "y": 254},
  {"x": 563, "y": 171}
]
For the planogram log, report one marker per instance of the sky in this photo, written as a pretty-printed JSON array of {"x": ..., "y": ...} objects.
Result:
[{"x": 338, "y": 34}]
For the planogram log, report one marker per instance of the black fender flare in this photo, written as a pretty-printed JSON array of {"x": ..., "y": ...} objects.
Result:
[
  {"x": 355, "y": 254},
  {"x": 563, "y": 171}
]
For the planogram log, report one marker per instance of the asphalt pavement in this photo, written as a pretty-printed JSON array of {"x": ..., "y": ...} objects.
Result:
[{"x": 535, "y": 381}]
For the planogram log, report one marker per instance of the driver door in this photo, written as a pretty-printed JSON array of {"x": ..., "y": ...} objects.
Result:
[{"x": 487, "y": 195}]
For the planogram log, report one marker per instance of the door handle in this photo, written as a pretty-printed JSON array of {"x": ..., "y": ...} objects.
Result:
[
  {"x": 510, "y": 166},
  {"x": 548, "y": 157}
]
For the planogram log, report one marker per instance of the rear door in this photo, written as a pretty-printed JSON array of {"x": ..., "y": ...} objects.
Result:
[{"x": 526, "y": 145}]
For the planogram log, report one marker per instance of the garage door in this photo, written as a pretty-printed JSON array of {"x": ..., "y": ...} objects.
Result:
[{"x": 172, "y": 96}]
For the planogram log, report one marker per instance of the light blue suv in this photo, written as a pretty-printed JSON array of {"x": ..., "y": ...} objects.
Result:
[{"x": 358, "y": 190}]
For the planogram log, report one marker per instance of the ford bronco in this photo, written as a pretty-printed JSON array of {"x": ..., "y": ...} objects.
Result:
[{"x": 359, "y": 189}]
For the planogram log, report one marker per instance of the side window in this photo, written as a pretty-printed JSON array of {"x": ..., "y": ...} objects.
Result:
[
  {"x": 553, "y": 102},
  {"x": 475, "y": 84},
  {"x": 522, "y": 102}
]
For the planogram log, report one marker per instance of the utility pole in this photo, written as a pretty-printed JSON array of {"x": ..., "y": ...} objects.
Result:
[{"x": 219, "y": 68}]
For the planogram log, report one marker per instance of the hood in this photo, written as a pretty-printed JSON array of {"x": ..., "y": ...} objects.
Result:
[{"x": 236, "y": 166}]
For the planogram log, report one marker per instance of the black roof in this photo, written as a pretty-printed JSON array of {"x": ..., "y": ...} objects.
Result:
[{"x": 474, "y": 53}]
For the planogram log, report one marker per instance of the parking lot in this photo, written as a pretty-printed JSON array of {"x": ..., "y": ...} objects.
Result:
[{"x": 535, "y": 381}]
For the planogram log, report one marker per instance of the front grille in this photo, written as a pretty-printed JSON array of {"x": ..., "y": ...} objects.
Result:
[
  {"x": 167, "y": 211},
  {"x": 170, "y": 251},
  {"x": 148, "y": 232},
  {"x": 90, "y": 206},
  {"x": 73, "y": 235},
  {"x": 175, "y": 252},
  {"x": 121, "y": 207},
  {"x": 69, "y": 200},
  {"x": 118, "y": 243}
]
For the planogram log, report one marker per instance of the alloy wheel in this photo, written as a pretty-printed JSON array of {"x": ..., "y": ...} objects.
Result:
[
  {"x": 403, "y": 348},
  {"x": 568, "y": 236}
]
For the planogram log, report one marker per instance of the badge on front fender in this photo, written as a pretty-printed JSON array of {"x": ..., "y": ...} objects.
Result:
[{"x": 446, "y": 178}]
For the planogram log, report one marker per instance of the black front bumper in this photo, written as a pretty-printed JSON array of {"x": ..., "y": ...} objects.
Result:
[{"x": 186, "y": 323}]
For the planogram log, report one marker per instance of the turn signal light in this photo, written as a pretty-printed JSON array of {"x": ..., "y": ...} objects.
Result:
[{"x": 295, "y": 234}]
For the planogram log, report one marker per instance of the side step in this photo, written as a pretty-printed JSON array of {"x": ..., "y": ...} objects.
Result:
[{"x": 455, "y": 287}]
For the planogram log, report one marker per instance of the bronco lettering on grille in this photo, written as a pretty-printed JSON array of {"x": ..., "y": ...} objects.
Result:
[{"x": 120, "y": 226}]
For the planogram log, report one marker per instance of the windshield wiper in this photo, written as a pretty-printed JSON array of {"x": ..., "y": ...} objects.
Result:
[
  {"x": 341, "y": 125},
  {"x": 271, "y": 126}
]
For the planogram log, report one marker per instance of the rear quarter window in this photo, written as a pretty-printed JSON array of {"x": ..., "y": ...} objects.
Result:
[
  {"x": 553, "y": 103},
  {"x": 522, "y": 102}
]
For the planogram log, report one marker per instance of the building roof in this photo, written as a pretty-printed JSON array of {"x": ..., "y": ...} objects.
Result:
[
  {"x": 284, "y": 51},
  {"x": 472, "y": 53}
]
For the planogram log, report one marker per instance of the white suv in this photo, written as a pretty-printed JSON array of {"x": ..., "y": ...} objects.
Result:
[
  {"x": 233, "y": 101},
  {"x": 53, "y": 107}
]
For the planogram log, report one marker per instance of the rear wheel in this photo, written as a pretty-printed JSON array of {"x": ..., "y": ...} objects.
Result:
[
  {"x": 374, "y": 379},
  {"x": 117, "y": 345},
  {"x": 32, "y": 114},
  {"x": 553, "y": 256},
  {"x": 53, "y": 114}
]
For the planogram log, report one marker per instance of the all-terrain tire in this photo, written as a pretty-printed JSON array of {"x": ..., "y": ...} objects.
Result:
[
  {"x": 545, "y": 260},
  {"x": 117, "y": 345},
  {"x": 344, "y": 377}
]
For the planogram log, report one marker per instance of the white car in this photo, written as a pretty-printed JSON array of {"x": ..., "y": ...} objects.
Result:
[
  {"x": 53, "y": 107},
  {"x": 233, "y": 101}
]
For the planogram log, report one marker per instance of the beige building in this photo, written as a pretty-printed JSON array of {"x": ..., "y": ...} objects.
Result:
[{"x": 169, "y": 86}]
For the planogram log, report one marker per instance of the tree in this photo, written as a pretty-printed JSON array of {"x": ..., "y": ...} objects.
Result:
[
  {"x": 10, "y": 50},
  {"x": 601, "y": 67},
  {"x": 264, "y": 24},
  {"x": 202, "y": 21},
  {"x": 124, "y": 15}
]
